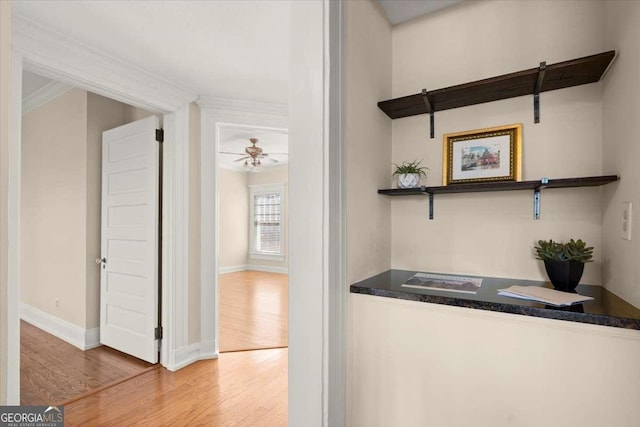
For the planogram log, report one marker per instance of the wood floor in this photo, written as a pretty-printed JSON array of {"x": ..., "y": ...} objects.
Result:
[
  {"x": 53, "y": 371},
  {"x": 241, "y": 388},
  {"x": 238, "y": 389},
  {"x": 253, "y": 310}
]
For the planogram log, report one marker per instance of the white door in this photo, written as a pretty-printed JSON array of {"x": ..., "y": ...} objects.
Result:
[{"x": 129, "y": 272}]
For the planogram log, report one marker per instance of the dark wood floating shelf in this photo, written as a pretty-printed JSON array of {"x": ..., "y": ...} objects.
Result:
[
  {"x": 536, "y": 186},
  {"x": 575, "y": 72},
  {"x": 477, "y": 187}
]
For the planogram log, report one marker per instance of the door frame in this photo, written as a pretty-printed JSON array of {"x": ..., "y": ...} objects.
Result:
[
  {"x": 318, "y": 322},
  {"x": 317, "y": 385},
  {"x": 51, "y": 55},
  {"x": 215, "y": 114}
]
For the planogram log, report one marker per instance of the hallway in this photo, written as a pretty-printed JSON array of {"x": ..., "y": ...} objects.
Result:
[{"x": 246, "y": 388}]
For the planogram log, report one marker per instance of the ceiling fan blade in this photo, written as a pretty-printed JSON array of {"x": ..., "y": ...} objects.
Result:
[
  {"x": 280, "y": 154},
  {"x": 227, "y": 152},
  {"x": 242, "y": 158},
  {"x": 271, "y": 160}
]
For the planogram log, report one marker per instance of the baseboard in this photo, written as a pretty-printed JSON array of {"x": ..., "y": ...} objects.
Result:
[
  {"x": 268, "y": 269},
  {"x": 84, "y": 339},
  {"x": 232, "y": 269},
  {"x": 192, "y": 353},
  {"x": 92, "y": 338},
  {"x": 253, "y": 267}
]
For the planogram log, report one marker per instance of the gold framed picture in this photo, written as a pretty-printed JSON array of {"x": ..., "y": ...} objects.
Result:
[{"x": 483, "y": 155}]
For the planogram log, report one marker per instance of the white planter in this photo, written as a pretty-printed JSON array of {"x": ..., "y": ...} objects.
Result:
[{"x": 408, "y": 180}]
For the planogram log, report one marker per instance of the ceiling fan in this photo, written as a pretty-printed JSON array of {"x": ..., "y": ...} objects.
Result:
[{"x": 253, "y": 155}]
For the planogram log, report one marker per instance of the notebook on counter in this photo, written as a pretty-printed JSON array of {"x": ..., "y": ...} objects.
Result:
[
  {"x": 545, "y": 295},
  {"x": 444, "y": 282}
]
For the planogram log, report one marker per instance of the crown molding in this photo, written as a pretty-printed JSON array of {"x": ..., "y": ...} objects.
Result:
[
  {"x": 243, "y": 105},
  {"x": 43, "y": 95},
  {"x": 66, "y": 60}
]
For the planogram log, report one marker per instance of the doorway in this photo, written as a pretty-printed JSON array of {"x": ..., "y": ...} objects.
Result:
[
  {"x": 60, "y": 239},
  {"x": 313, "y": 22},
  {"x": 253, "y": 178}
]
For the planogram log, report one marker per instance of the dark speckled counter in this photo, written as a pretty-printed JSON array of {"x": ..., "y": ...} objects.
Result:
[{"x": 605, "y": 309}]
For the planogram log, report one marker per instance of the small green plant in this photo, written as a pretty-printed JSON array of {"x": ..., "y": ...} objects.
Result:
[
  {"x": 410, "y": 167},
  {"x": 574, "y": 250}
]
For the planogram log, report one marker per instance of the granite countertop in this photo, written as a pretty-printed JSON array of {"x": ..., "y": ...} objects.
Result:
[{"x": 605, "y": 309}]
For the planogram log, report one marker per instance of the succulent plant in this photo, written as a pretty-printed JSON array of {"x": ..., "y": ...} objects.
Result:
[
  {"x": 552, "y": 251},
  {"x": 410, "y": 167},
  {"x": 574, "y": 250},
  {"x": 577, "y": 250}
]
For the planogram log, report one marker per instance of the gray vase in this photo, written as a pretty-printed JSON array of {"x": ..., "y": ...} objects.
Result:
[{"x": 408, "y": 180}]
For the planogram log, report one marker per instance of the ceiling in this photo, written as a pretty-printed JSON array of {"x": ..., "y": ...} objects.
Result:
[
  {"x": 399, "y": 11},
  {"x": 235, "y": 49},
  {"x": 204, "y": 60},
  {"x": 234, "y": 139}
]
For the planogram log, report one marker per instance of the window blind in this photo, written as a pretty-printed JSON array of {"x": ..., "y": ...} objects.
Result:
[{"x": 267, "y": 223}]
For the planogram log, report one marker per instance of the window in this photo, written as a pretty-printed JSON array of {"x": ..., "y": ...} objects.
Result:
[{"x": 266, "y": 221}]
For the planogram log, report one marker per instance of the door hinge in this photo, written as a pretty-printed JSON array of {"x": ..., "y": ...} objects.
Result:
[
  {"x": 158, "y": 333},
  {"x": 160, "y": 135}
]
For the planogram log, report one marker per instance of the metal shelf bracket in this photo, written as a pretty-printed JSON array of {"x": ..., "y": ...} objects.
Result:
[
  {"x": 430, "y": 205},
  {"x": 427, "y": 102},
  {"x": 536, "y": 92},
  {"x": 536, "y": 203},
  {"x": 536, "y": 197}
]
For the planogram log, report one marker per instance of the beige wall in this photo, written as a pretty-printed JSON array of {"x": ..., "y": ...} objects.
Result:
[
  {"x": 367, "y": 139},
  {"x": 276, "y": 175},
  {"x": 233, "y": 198},
  {"x": 234, "y": 208},
  {"x": 135, "y": 114},
  {"x": 586, "y": 130},
  {"x": 492, "y": 234},
  {"x": 5, "y": 102},
  {"x": 61, "y": 199},
  {"x": 194, "y": 223},
  {"x": 430, "y": 365},
  {"x": 621, "y": 153},
  {"x": 54, "y": 207}
]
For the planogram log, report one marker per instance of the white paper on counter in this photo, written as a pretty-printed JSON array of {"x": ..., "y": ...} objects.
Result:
[{"x": 545, "y": 295}]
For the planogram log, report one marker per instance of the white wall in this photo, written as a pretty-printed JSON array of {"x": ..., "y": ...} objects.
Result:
[
  {"x": 367, "y": 139},
  {"x": 194, "y": 223},
  {"x": 424, "y": 364},
  {"x": 273, "y": 175},
  {"x": 5, "y": 103},
  {"x": 620, "y": 151},
  {"x": 492, "y": 234},
  {"x": 233, "y": 194}
]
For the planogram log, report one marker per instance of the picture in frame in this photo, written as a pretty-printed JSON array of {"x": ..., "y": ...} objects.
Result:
[{"x": 482, "y": 155}]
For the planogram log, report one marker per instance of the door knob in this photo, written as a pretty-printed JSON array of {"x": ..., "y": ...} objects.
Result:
[{"x": 102, "y": 261}]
